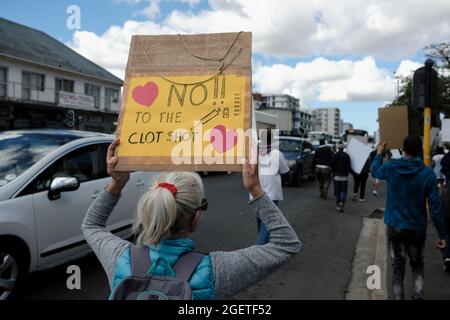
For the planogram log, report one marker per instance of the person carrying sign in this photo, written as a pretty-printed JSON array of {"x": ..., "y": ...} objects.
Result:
[
  {"x": 167, "y": 215},
  {"x": 411, "y": 187}
]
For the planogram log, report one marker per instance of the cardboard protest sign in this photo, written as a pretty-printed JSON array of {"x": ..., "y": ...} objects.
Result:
[
  {"x": 393, "y": 123},
  {"x": 359, "y": 153},
  {"x": 187, "y": 103}
]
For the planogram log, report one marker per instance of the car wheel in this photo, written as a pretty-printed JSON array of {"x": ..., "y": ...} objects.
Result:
[{"x": 11, "y": 270}]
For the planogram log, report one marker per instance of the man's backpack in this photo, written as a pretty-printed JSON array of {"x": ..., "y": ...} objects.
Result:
[{"x": 143, "y": 286}]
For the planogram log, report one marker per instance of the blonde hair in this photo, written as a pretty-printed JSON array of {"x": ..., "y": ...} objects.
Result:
[{"x": 161, "y": 214}]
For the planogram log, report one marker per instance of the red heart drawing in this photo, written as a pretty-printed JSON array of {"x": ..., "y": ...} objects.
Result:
[
  {"x": 145, "y": 95},
  {"x": 223, "y": 139}
]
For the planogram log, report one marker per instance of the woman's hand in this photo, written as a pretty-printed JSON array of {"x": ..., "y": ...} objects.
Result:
[
  {"x": 251, "y": 179},
  {"x": 119, "y": 178}
]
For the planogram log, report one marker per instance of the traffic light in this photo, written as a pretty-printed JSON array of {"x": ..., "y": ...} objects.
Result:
[
  {"x": 425, "y": 88},
  {"x": 69, "y": 120}
]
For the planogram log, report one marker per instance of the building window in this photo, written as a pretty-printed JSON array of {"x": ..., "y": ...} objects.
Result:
[
  {"x": 64, "y": 85},
  {"x": 112, "y": 95},
  {"x": 3, "y": 79},
  {"x": 94, "y": 91},
  {"x": 32, "y": 82}
]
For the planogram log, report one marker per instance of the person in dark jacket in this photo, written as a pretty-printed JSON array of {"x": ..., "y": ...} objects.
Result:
[
  {"x": 340, "y": 166},
  {"x": 445, "y": 198},
  {"x": 410, "y": 187},
  {"x": 360, "y": 182},
  {"x": 322, "y": 158}
]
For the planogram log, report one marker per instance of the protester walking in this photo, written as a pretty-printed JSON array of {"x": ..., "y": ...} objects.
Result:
[
  {"x": 360, "y": 181},
  {"x": 411, "y": 187},
  {"x": 340, "y": 166},
  {"x": 272, "y": 164},
  {"x": 322, "y": 159},
  {"x": 445, "y": 197},
  {"x": 167, "y": 215}
]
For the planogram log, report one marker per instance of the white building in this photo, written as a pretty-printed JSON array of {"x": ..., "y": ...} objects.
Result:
[
  {"x": 41, "y": 80},
  {"x": 286, "y": 109},
  {"x": 328, "y": 120}
]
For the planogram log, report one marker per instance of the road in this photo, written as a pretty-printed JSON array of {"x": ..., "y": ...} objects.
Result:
[{"x": 321, "y": 270}]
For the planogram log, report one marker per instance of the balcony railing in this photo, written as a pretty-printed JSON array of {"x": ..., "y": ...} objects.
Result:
[{"x": 16, "y": 91}]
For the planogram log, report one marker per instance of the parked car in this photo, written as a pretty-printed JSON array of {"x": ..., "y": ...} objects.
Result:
[
  {"x": 299, "y": 154},
  {"x": 48, "y": 179}
]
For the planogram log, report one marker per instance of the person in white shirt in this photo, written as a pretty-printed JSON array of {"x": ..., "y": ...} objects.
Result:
[{"x": 272, "y": 164}]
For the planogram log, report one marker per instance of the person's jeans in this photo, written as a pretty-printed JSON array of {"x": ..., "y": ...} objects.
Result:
[
  {"x": 403, "y": 243},
  {"x": 360, "y": 184},
  {"x": 324, "y": 177},
  {"x": 340, "y": 191},
  {"x": 263, "y": 235}
]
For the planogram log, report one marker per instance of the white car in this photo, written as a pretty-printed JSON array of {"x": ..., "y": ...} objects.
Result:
[{"x": 48, "y": 179}]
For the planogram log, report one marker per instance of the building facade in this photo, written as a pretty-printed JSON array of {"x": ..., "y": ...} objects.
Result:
[
  {"x": 287, "y": 110},
  {"x": 44, "y": 84},
  {"x": 328, "y": 120}
]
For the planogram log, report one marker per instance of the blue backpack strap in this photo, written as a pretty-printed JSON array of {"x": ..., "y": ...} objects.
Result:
[
  {"x": 187, "y": 264},
  {"x": 140, "y": 260}
]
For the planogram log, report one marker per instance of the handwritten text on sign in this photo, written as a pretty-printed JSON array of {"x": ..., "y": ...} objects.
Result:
[{"x": 160, "y": 115}]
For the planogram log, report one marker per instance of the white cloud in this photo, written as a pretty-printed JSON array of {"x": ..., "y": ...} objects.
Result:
[
  {"x": 406, "y": 68},
  {"x": 327, "y": 80},
  {"x": 384, "y": 28},
  {"x": 294, "y": 28},
  {"x": 152, "y": 10}
]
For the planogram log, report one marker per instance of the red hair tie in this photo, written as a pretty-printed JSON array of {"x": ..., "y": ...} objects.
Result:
[{"x": 169, "y": 187}]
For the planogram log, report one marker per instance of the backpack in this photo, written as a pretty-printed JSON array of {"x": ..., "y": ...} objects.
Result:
[{"x": 141, "y": 285}]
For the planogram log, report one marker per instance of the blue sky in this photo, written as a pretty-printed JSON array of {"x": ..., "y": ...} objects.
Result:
[{"x": 338, "y": 60}]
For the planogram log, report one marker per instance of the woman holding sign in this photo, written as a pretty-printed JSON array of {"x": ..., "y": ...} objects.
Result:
[{"x": 166, "y": 216}]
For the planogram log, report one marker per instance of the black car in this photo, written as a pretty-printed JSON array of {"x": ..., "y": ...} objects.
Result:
[{"x": 299, "y": 154}]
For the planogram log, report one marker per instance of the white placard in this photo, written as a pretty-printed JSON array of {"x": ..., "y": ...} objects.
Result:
[
  {"x": 358, "y": 152},
  {"x": 445, "y": 130},
  {"x": 433, "y": 134}
]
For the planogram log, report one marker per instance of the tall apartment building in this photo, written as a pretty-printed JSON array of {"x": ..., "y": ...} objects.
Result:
[
  {"x": 43, "y": 83},
  {"x": 328, "y": 120}
]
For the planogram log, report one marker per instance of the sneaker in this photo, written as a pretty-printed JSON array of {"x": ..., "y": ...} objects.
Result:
[
  {"x": 375, "y": 193},
  {"x": 447, "y": 264},
  {"x": 354, "y": 197},
  {"x": 341, "y": 207},
  {"x": 361, "y": 200}
]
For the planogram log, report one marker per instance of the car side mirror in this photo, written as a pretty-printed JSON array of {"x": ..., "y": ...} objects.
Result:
[{"x": 62, "y": 184}]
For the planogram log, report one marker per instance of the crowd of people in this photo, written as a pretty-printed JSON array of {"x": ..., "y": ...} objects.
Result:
[
  {"x": 414, "y": 193},
  {"x": 170, "y": 211}
]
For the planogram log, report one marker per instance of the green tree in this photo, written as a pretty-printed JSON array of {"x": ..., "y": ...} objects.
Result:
[{"x": 440, "y": 54}]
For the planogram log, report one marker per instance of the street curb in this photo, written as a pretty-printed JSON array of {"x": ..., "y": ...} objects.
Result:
[{"x": 371, "y": 249}]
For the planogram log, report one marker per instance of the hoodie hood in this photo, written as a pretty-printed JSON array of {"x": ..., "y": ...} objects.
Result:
[{"x": 405, "y": 166}]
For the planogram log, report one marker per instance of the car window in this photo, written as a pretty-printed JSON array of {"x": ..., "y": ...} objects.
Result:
[
  {"x": 86, "y": 164},
  {"x": 289, "y": 146},
  {"x": 20, "y": 151}
]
